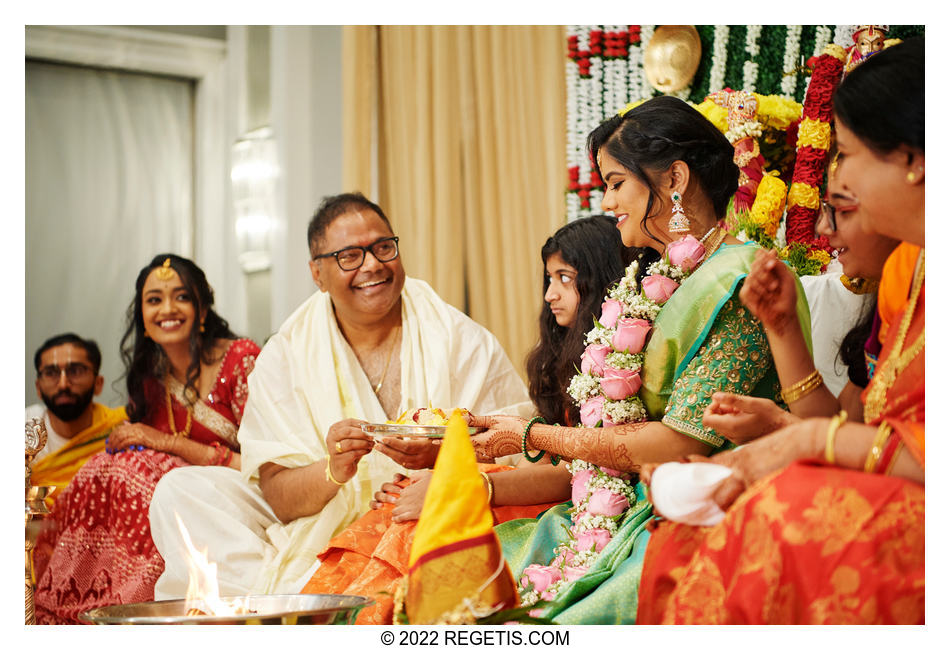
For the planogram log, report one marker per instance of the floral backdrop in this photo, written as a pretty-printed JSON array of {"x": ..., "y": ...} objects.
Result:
[{"x": 605, "y": 72}]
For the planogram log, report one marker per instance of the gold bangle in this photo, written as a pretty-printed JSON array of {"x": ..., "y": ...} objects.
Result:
[
  {"x": 801, "y": 388},
  {"x": 489, "y": 486},
  {"x": 330, "y": 475},
  {"x": 890, "y": 465},
  {"x": 833, "y": 427},
  {"x": 877, "y": 447}
]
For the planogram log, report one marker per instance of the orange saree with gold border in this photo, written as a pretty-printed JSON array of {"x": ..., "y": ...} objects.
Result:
[{"x": 812, "y": 543}]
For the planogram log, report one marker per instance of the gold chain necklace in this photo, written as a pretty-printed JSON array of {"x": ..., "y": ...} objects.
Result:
[
  {"x": 392, "y": 348},
  {"x": 897, "y": 360},
  {"x": 171, "y": 416},
  {"x": 714, "y": 243}
]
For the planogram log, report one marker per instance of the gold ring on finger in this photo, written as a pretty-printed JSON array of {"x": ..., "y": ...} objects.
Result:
[{"x": 339, "y": 447}]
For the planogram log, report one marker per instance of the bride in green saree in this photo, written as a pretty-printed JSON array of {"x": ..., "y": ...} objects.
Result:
[{"x": 665, "y": 343}]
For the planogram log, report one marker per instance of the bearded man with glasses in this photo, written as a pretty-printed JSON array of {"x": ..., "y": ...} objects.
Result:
[
  {"x": 67, "y": 380},
  {"x": 369, "y": 345}
]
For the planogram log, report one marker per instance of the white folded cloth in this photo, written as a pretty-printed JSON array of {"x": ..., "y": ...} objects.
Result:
[{"x": 682, "y": 492}]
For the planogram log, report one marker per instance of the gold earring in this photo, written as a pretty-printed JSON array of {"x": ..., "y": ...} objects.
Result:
[
  {"x": 202, "y": 327},
  {"x": 679, "y": 222},
  {"x": 911, "y": 177}
]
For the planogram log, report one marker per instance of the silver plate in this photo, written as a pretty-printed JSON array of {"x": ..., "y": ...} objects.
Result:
[
  {"x": 410, "y": 430},
  {"x": 291, "y": 609}
]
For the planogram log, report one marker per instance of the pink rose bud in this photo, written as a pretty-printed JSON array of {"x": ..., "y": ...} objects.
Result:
[
  {"x": 619, "y": 383},
  {"x": 567, "y": 554},
  {"x": 686, "y": 253},
  {"x": 572, "y": 573},
  {"x": 592, "y": 539},
  {"x": 607, "y": 503},
  {"x": 579, "y": 485},
  {"x": 593, "y": 359},
  {"x": 659, "y": 288},
  {"x": 542, "y": 577},
  {"x": 592, "y": 411},
  {"x": 631, "y": 334},
  {"x": 609, "y": 312}
]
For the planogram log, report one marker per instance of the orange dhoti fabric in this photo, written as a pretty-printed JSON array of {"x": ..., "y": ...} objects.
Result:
[{"x": 371, "y": 556}]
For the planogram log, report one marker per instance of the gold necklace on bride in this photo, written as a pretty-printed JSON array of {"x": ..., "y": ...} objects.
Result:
[{"x": 714, "y": 242}]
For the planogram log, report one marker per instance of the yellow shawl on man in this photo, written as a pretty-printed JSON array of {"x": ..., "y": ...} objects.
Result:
[{"x": 58, "y": 468}]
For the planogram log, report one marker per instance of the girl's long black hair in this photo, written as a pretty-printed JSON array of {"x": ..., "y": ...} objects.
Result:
[
  {"x": 591, "y": 245},
  {"x": 144, "y": 358}
]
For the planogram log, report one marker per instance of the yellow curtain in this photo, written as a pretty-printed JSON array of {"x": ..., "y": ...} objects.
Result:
[{"x": 459, "y": 133}]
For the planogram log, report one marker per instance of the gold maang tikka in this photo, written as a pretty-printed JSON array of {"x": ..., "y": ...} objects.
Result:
[{"x": 165, "y": 271}]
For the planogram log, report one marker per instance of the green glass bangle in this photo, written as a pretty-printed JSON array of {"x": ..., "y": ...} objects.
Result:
[{"x": 524, "y": 439}]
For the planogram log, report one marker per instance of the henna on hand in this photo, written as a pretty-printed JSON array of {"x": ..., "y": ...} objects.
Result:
[
  {"x": 503, "y": 443},
  {"x": 607, "y": 447}
]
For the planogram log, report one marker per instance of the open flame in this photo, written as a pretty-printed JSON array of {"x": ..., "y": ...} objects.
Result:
[{"x": 202, "y": 598}]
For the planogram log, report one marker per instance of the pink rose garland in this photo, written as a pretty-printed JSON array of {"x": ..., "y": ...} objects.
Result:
[{"x": 606, "y": 390}]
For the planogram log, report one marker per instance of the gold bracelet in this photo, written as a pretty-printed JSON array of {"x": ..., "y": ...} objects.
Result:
[
  {"x": 890, "y": 465},
  {"x": 801, "y": 388},
  {"x": 330, "y": 475},
  {"x": 491, "y": 489},
  {"x": 833, "y": 427},
  {"x": 877, "y": 447}
]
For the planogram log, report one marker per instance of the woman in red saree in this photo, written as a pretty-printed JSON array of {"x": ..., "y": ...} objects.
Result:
[
  {"x": 581, "y": 260},
  {"x": 186, "y": 375},
  {"x": 824, "y": 520}
]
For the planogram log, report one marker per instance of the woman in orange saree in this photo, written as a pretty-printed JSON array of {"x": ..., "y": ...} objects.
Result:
[
  {"x": 808, "y": 537},
  {"x": 581, "y": 260}
]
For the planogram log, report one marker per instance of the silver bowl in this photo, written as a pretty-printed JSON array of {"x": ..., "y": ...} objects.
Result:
[{"x": 290, "y": 609}]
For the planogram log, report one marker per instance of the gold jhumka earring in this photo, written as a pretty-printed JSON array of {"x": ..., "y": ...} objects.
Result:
[{"x": 679, "y": 222}]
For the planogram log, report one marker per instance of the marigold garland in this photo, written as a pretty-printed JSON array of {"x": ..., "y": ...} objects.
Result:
[
  {"x": 766, "y": 212},
  {"x": 803, "y": 196}
]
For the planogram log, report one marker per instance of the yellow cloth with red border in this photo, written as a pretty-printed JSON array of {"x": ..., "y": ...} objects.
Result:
[{"x": 456, "y": 561}]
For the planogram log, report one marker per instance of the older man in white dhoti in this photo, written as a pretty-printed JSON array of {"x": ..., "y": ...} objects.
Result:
[{"x": 366, "y": 347}]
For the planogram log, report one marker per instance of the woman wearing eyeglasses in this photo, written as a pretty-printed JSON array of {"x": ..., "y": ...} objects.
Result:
[
  {"x": 186, "y": 375},
  {"x": 769, "y": 293},
  {"x": 824, "y": 519}
]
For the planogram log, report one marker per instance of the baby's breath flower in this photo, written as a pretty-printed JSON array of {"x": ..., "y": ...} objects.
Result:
[
  {"x": 583, "y": 386},
  {"x": 625, "y": 360}
]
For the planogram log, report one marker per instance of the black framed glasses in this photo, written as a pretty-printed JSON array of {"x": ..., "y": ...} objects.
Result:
[
  {"x": 830, "y": 212},
  {"x": 352, "y": 257},
  {"x": 74, "y": 372}
]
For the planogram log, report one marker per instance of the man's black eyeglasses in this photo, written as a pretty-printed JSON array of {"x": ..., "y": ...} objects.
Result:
[
  {"x": 74, "y": 372},
  {"x": 352, "y": 257}
]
